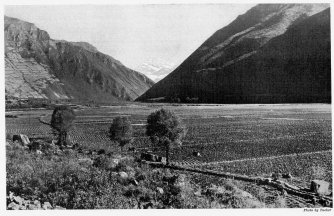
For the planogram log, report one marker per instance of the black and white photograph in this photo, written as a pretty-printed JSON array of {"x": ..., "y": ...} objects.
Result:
[{"x": 173, "y": 105}]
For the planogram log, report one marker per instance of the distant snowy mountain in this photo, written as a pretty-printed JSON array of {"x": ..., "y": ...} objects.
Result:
[{"x": 156, "y": 68}]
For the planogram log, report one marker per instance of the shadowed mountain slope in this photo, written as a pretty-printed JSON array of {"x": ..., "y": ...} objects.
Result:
[{"x": 271, "y": 54}]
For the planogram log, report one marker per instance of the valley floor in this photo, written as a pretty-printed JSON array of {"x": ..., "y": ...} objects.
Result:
[{"x": 253, "y": 140}]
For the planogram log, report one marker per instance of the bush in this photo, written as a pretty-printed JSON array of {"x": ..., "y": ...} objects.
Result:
[
  {"x": 318, "y": 172},
  {"x": 69, "y": 182}
]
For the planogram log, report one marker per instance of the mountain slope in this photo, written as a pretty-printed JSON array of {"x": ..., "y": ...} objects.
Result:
[
  {"x": 271, "y": 54},
  {"x": 39, "y": 67}
]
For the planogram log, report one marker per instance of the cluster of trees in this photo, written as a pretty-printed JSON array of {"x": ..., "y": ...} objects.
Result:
[
  {"x": 182, "y": 99},
  {"x": 191, "y": 100},
  {"x": 164, "y": 128}
]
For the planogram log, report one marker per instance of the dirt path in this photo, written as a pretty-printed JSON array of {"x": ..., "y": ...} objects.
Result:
[{"x": 199, "y": 163}]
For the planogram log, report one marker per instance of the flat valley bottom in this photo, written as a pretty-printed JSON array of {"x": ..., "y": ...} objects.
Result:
[{"x": 246, "y": 140}]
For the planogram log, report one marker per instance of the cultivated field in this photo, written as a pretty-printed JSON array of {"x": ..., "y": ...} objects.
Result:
[{"x": 248, "y": 139}]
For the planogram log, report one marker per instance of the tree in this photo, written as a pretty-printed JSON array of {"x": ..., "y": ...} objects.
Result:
[
  {"x": 61, "y": 122},
  {"x": 165, "y": 129},
  {"x": 121, "y": 131}
]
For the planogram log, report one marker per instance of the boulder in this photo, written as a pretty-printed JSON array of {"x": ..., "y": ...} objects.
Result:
[
  {"x": 46, "y": 206},
  {"x": 33, "y": 207},
  {"x": 23, "y": 139},
  {"x": 319, "y": 186},
  {"x": 59, "y": 208},
  {"x": 11, "y": 195},
  {"x": 37, "y": 203},
  {"x": 161, "y": 159},
  {"x": 13, "y": 206},
  {"x": 198, "y": 193},
  {"x": 22, "y": 207},
  {"x": 197, "y": 154},
  {"x": 266, "y": 181},
  {"x": 18, "y": 200},
  {"x": 123, "y": 175},
  {"x": 160, "y": 190},
  {"x": 134, "y": 182}
]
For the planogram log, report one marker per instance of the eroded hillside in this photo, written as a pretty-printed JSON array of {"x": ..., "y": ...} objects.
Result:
[{"x": 39, "y": 67}]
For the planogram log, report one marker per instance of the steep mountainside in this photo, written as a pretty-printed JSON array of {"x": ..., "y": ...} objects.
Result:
[
  {"x": 271, "y": 54},
  {"x": 37, "y": 66}
]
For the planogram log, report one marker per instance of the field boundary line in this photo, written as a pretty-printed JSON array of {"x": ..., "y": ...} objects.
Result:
[
  {"x": 261, "y": 158},
  {"x": 43, "y": 121}
]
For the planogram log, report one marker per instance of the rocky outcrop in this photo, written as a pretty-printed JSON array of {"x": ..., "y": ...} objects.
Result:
[
  {"x": 271, "y": 54},
  {"x": 23, "y": 139},
  {"x": 37, "y": 66},
  {"x": 19, "y": 203},
  {"x": 319, "y": 186}
]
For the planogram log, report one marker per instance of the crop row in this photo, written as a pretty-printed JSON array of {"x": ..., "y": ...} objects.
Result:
[
  {"x": 219, "y": 135},
  {"x": 304, "y": 166}
]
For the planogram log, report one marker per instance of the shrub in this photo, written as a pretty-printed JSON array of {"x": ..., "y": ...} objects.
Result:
[{"x": 318, "y": 172}]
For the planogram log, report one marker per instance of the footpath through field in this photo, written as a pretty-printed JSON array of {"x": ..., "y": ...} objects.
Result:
[{"x": 246, "y": 159}]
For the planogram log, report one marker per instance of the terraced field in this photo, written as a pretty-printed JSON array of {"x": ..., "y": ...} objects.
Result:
[
  {"x": 25, "y": 78},
  {"x": 228, "y": 137}
]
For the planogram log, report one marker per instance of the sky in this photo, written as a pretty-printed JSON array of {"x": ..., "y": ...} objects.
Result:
[{"x": 132, "y": 33}]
